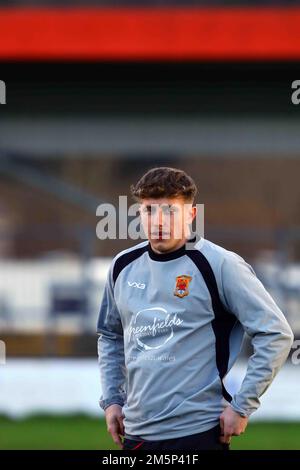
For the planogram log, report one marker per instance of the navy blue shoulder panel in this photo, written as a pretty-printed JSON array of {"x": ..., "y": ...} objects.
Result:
[
  {"x": 126, "y": 259},
  {"x": 223, "y": 321}
]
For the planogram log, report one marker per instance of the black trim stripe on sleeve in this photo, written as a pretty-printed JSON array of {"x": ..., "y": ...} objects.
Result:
[
  {"x": 126, "y": 259},
  {"x": 223, "y": 321}
]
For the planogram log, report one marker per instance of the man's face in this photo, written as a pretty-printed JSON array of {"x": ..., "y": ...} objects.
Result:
[{"x": 166, "y": 221}]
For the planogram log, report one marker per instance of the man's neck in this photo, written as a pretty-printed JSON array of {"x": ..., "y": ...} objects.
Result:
[{"x": 174, "y": 248}]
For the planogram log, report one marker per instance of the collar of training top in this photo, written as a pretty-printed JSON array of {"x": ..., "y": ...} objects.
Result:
[{"x": 172, "y": 254}]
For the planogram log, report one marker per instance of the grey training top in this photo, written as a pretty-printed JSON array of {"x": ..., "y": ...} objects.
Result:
[{"x": 170, "y": 328}]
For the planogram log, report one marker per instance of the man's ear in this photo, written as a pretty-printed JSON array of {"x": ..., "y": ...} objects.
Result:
[
  {"x": 191, "y": 213},
  {"x": 194, "y": 212}
]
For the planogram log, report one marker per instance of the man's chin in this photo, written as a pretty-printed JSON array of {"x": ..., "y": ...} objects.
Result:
[{"x": 161, "y": 245}]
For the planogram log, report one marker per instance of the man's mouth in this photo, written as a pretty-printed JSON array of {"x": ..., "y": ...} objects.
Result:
[{"x": 161, "y": 235}]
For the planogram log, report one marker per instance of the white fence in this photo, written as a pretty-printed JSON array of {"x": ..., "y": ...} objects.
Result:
[{"x": 73, "y": 386}]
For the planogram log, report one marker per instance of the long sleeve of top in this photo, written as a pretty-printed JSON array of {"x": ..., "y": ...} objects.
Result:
[
  {"x": 111, "y": 349},
  {"x": 264, "y": 322},
  {"x": 171, "y": 326}
]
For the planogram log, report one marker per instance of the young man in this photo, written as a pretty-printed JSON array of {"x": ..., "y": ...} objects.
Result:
[{"x": 171, "y": 325}]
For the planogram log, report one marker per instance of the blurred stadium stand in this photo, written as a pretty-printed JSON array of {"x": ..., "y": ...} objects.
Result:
[{"x": 78, "y": 129}]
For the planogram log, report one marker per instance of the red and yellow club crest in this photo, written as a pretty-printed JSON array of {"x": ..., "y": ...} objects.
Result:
[{"x": 182, "y": 285}]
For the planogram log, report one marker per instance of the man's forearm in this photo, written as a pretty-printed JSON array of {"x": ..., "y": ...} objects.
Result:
[
  {"x": 270, "y": 352},
  {"x": 262, "y": 319},
  {"x": 112, "y": 370}
]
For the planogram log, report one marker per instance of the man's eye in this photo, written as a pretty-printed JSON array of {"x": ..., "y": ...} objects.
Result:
[
  {"x": 165, "y": 209},
  {"x": 169, "y": 210},
  {"x": 150, "y": 210}
]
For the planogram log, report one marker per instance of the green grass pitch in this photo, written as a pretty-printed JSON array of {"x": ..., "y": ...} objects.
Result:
[{"x": 81, "y": 432}]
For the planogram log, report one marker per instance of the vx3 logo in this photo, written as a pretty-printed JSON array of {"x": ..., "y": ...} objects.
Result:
[{"x": 139, "y": 285}]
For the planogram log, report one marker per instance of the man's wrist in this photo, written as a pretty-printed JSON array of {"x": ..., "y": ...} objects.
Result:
[
  {"x": 239, "y": 410},
  {"x": 104, "y": 404}
]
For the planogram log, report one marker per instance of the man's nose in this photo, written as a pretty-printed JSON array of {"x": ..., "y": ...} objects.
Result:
[
  {"x": 157, "y": 218},
  {"x": 163, "y": 220},
  {"x": 160, "y": 218}
]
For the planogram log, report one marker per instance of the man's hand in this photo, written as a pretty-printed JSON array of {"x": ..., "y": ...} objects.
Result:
[
  {"x": 232, "y": 424},
  {"x": 114, "y": 420}
]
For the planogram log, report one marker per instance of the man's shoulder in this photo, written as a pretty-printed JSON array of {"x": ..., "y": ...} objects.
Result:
[
  {"x": 139, "y": 247},
  {"x": 216, "y": 253},
  {"x": 227, "y": 266},
  {"x": 126, "y": 256}
]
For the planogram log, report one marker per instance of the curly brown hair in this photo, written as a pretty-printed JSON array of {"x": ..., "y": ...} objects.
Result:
[{"x": 164, "y": 182}]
